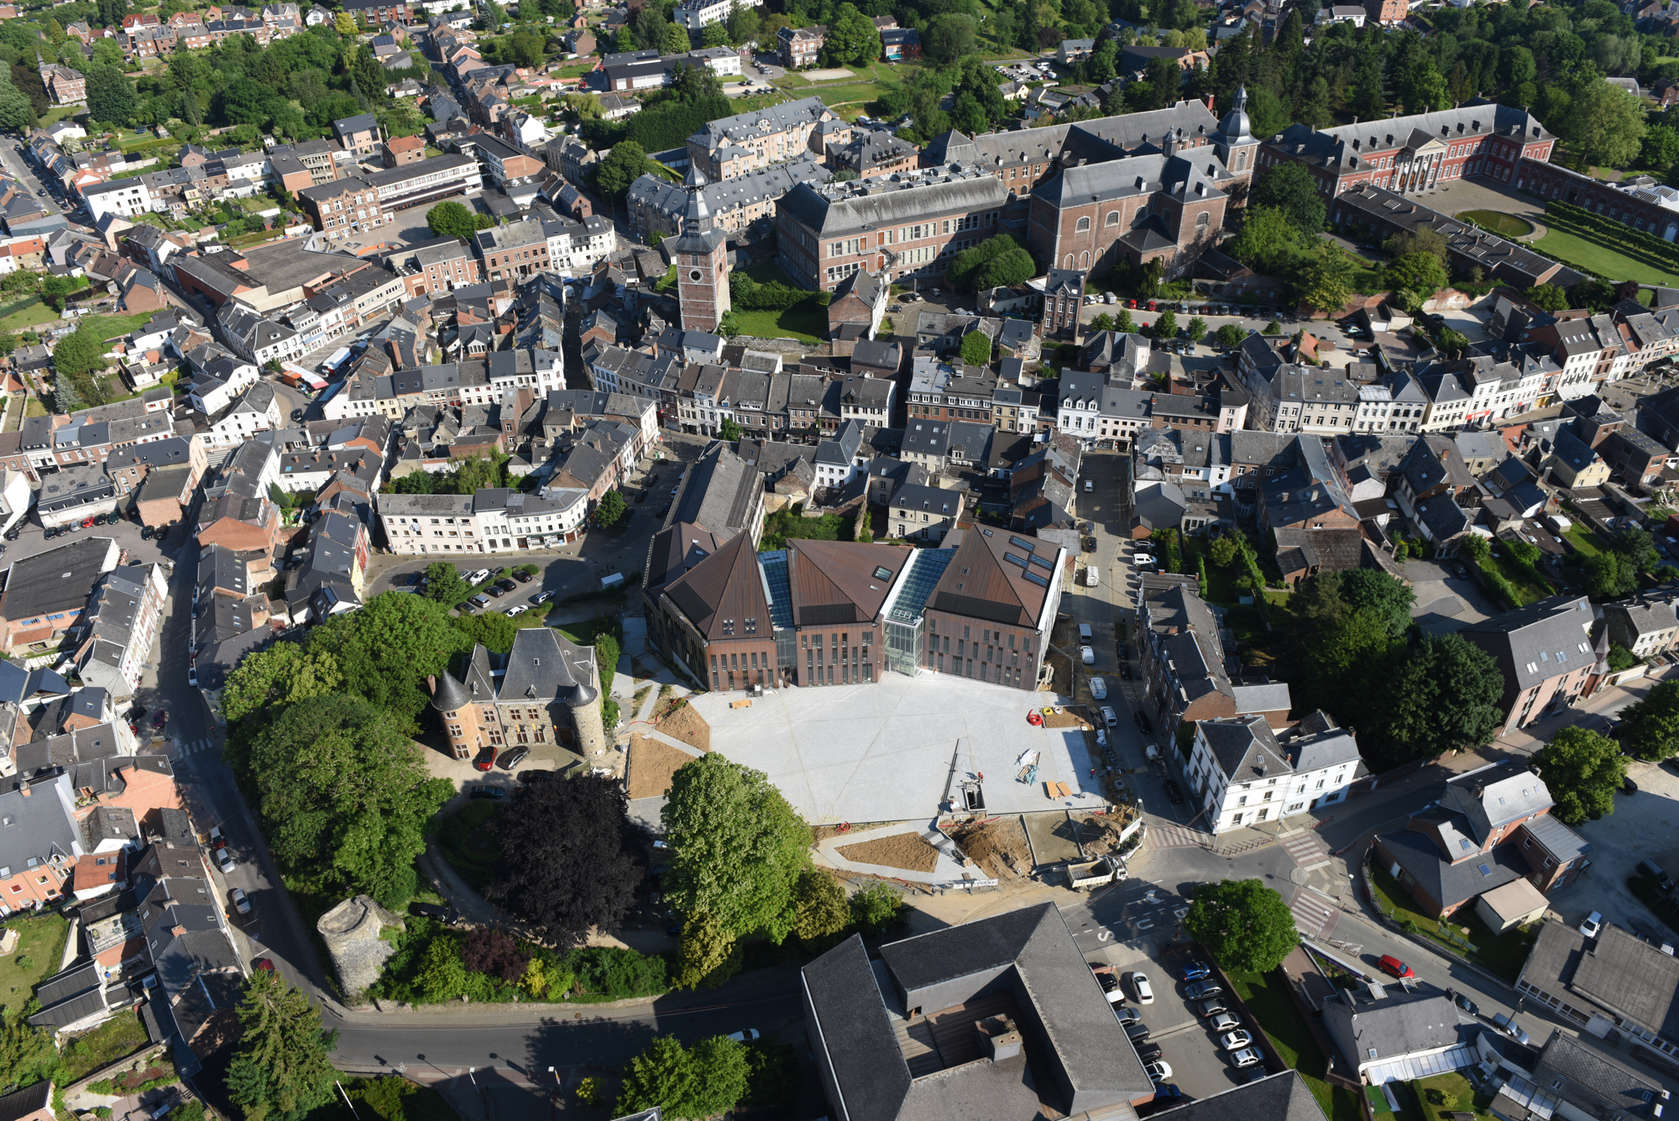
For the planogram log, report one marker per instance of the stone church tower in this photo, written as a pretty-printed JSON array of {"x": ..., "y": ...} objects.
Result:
[{"x": 702, "y": 265}]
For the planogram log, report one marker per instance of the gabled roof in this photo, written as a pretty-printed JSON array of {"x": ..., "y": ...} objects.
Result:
[
  {"x": 723, "y": 595},
  {"x": 999, "y": 576},
  {"x": 841, "y": 581}
]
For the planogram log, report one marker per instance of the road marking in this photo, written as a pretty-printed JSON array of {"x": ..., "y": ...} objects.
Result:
[
  {"x": 1143, "y": 924},
  {"x": 1314, "y": 912},
  {"x": 1306, "y": 849},
  {"x": 1103, "y": 935}
]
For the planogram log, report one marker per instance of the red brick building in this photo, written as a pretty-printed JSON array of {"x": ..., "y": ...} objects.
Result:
[{"x": 1414, "y": 154}]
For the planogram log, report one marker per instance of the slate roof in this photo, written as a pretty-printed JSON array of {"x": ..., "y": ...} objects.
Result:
[
  {"x": 1595, "y": 1080},
  {"x": 1540, "y": 641},
  {"x": 723, "y": 596},
  {"x": 1025, "y": 957},
  {"x": 717, "y": 493},
  {"x": 1277, "y": 1097}
]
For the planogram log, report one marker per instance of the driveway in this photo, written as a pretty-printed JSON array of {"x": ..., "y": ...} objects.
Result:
[{"x": 1445, "y": 602}]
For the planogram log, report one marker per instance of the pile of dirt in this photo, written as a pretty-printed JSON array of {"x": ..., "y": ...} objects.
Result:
[
  {"x": 998, "y": 845},
  {"x": 900, "y": 850},
  {"x": 681, "y": 722},
  {"x": 1099, "y": 833},
  {"x": 650, "y": 766}
]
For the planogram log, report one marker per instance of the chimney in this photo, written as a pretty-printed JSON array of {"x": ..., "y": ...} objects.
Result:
[{"x": 23, "y": 789}]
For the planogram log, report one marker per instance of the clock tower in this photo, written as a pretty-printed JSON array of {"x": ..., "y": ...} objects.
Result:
[{"x": 702, "y": 267}]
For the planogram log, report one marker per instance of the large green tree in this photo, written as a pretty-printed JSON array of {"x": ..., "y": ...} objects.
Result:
[
  {"x": 80, "y": 352},
  {"x": 737, "y": 848},
  {"x": 1583, "y": 770},
  {"x": 280, "y": 1069},
  {"x": 1269, "y": 241},
  {"x": 452, "y": 219},
  {"x": 852, "y": 39},
  {"x": 950, "y": 36},
  {"x": 622, "y": 166},
  {"x": 1604, "y": 125},
  {"x": 566, "y": 865},
  {"x": 343, "y": 796},
  {"x": 686, "y": 1083},
  {"x": 998, "y": 260},
  {"x": 386, "y": 650},
  {"x": 280, "y": 675},
  {"x": 1290, "y": 188},
  {"x": 1243, "y": 924},
  {"x": 110, "y": 95},
  {"x": 1444, "y": 694},
  {"x": 1417, "y": 275},
  {"x": 1649, "y": 727}
]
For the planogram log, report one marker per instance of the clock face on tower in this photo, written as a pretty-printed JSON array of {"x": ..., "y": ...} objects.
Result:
[{"x": 696, "y": 275}]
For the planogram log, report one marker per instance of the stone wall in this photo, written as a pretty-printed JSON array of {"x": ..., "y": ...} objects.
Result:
[{"x": 351, "y": 932}]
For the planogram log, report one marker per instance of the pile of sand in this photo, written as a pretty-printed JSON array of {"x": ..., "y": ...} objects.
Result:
[
  {"x": 997, "y": 845},
  {"x": 682, "y": 723},
  {"x": 900, "y": 850},
  {"x": 650, "y": 765}
]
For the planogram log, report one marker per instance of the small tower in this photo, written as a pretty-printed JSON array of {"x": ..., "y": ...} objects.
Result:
[
  {"x": 1235, "y": 142},
  {"x": 702, "y": 270},
  {"x": 460, "y": 718}
]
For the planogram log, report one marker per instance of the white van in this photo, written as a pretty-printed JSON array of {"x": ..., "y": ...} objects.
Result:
[
  {"x": 1092, "y": 576},
  {"x": 1098, "y": 688},
  {"x": 1109, "y": 716},
  {"x": 1085, "y": 633}
]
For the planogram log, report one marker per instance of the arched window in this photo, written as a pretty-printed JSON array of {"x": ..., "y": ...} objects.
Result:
[
  {"x": 1202, "y": 220},
  {"x": 1082, "y": 226},
  {"x": 1112, "y": 219},
  {"x": 1084, "y": 259},
  {"x": 1068, "y": 263}
]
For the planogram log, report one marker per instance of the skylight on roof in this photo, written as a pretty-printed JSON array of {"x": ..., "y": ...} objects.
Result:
[
  {"x": 1038, "y": 580},
  {"x": 881, "y": 572},
  {"x": 1011, "y": 558}
]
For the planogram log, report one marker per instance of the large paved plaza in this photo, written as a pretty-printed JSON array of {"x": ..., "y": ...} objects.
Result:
[{"x": 883, "y": 751}]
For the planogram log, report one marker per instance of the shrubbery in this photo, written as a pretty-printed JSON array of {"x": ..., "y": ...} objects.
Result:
[{"x": 434, "y": 964}]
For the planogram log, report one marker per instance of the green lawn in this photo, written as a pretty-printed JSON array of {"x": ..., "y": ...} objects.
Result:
[
  {"x": 1445, "y": 1093},
  {"x": 40, "y": 945},
  {"x": 120, "y": 1036},
  {"x": 1585, "y": 542},
  {"x": 806, "y": 321},
  {"x": 855, "y": 92},
  {"x": 467, "y": 839},
  {"x": 1572, "y": 249},
  {"x": 22, "y": 314},
  {"x": 1505, "y": 225},
  {"x": 1503, "y": 954},
  {"x": 1267, "y": 997}
]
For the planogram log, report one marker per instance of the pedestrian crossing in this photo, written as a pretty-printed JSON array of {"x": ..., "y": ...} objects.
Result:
[
  {"x": 195, "y": 747},
  {"x": 1170, "y": 835},
  {"x": 1314, "y": 912},
  {"x": 1306, "y": 849}
]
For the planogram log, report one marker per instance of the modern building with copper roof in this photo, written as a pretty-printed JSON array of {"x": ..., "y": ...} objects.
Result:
[{"x": 842, "y": 612}]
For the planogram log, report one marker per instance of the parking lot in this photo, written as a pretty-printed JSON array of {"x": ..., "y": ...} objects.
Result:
[
  {"x": 1643, "y": 826},
  {"x": 1187, "y": 1041}
]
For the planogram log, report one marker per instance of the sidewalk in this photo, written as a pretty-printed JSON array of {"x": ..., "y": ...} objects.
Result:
[{"x": 947, "y": 870}]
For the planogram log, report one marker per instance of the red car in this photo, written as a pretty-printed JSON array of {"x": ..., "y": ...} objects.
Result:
[
  {"x": 264, "y": 964},
  {"x": 486, "y": 759},
  {"x": 1395, "y": 968}
]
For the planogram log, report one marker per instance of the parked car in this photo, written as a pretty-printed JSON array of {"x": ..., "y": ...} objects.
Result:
[
  {"x": 1506, "y": 1023},
  {"x": 1654, "y": 871},
  {"x": 1591, "y": 925},
  {"x": 1109, "y": 716},
  {"x": 263, "y": 964},
  {"x": 1167, "y": 1091},
  {"x": 1224, "y": 1021},
  {"x": 1087, "y": 655},
  {"x": 517, "y": 609},
  {"x": 241, "y": 903},
  {"x": 224, "y": 859},
  {"x": 1210, "y": 1008},
  {"x": 1136, "y": 1031},
  {"x": 1128, "y": 1015},
  {"x": 746, "y": 1035},
  {"x": 486, "y": 759},
  {"x": 487, "y": 790},
  {"x": 1235, "y": 1040},
  {"x": 1201, "y": 990},
  {"x": 507, "y": 585},
  {"x": 1246, "y": 1057},
  {"x": 1464, "y": 1002},
  {"x": 515, "y": 757},
  {"x": 1150, "y": 1052},
  {"x": 542, "y": 597},
  {"x": 479, "y": 602},
  {"x": 1196, "y": 971},
  {"x": 1098, "y": 687},
  {"x": 524, "y": 577},
  {"x": 1628, "y": 786},
  {"x": 1145, "y": 991},
  {"x": 1393, "y": 967},
  {"x": 1158, "y": 1071},
  {"x": 1111, "y": 987}
]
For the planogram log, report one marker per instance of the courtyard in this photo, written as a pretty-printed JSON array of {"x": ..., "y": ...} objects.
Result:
[{"x": 887, "y": 751}]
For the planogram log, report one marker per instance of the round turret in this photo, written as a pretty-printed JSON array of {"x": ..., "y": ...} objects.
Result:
[{"x": 449, "y": 695}]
